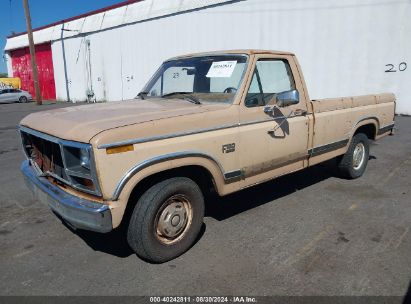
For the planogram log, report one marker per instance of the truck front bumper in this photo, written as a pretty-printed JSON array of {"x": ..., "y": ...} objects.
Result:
[{"x": 78, "y": 212}]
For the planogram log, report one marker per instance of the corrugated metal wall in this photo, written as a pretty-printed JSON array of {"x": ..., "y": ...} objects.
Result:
[{"x": 349, "y": 47}]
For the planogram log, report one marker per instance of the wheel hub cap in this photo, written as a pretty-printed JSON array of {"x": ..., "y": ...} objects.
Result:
[
  {"x": 173, "y": 218},
  {"x": 358, "y": 156}
]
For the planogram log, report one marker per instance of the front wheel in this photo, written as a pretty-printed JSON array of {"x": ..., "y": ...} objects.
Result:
[
  {"x": 353, "y": 163},
  {"x": 23, "y": 99},
  {"x": 166, "y": 220}
]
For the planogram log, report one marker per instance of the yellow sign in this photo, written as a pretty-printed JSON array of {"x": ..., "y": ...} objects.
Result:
[{"x": 10, "y": 83}]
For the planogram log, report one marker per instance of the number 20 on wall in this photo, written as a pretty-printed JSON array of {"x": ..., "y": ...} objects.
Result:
[{"x": 392, "y": 68}]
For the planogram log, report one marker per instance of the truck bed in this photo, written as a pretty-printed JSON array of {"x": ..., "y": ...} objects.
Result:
[{"x": 349, "y": 113}]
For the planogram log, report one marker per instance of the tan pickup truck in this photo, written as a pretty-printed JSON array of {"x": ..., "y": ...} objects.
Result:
[{"x": 221, "y": 120}]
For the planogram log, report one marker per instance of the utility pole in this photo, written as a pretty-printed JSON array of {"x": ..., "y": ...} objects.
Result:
[{"x": 32, "y": 52}]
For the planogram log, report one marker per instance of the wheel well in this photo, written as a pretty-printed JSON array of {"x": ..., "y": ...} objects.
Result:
[
  {"x": 198, "y": 174},
  {"x": 369, "y": 130}
]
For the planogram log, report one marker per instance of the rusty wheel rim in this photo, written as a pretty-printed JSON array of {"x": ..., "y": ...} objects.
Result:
[{"x": 173, "y": 219}]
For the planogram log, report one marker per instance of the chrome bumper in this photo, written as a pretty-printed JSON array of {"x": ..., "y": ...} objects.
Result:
[{"x": 79, "y": 212}]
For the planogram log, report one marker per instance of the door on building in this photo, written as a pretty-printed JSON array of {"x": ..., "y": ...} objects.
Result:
[{"x": 21, "y": 67}]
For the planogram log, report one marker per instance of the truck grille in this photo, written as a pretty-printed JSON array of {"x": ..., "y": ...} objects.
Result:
[
  {"x": 46, "y": 154},
  {"x": 61, "y": 159}
]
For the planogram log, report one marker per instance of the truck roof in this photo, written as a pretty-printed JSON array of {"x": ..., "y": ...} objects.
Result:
[{"x": 239, "y": 51}]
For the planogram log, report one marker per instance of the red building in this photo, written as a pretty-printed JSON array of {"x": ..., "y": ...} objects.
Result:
[{"x": 21, "y": 66}]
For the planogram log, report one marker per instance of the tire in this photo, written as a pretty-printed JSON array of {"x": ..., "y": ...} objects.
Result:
[
  {"x": 152, "y": 234},
  {"x": 23, "y": 99},
  {"x": 354, "y": 162}
]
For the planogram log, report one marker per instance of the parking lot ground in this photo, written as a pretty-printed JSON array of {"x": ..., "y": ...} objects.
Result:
[{"x": 308, "y": 233}]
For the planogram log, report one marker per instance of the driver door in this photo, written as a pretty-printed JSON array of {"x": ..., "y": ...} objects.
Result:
[{"x": 272, "y": 143}]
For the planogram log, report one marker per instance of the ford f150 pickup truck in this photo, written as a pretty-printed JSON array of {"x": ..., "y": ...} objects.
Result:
[{"x": 220, "y": 120}]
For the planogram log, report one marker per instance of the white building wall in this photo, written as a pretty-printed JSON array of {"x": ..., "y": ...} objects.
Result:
[
  {"x": 344, "y": 47},
  {"x": 8, "y": 64}
]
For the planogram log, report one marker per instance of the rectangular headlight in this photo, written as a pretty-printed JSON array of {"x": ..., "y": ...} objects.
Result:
[{"x": 80, "y": 166}]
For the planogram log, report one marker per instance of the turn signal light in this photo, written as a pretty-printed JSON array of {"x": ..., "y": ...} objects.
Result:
[{"x": 120, "y": 149}]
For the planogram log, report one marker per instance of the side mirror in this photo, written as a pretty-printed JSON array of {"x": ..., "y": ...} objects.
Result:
[{"x": 287, "y": 98}]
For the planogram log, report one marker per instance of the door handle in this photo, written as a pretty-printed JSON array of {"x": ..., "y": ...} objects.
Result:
[
  {"x": 293, "y": 113},
  {"x": 270, "y": 110},
  {"x": 300, "y": 112}
]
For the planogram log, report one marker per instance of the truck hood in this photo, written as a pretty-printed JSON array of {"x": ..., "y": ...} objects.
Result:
[{"x": 82, "y": 123}]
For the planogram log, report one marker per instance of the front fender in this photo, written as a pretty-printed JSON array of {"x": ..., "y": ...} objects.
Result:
[
  {"x": 165, "y": 162},
  {"x": 159, "y": 164}
]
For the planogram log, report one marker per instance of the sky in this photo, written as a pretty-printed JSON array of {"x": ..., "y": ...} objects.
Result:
[{"x": 42, "y": 12}]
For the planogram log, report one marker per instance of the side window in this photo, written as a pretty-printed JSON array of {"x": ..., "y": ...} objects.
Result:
[{"x": 271, "y": 76}]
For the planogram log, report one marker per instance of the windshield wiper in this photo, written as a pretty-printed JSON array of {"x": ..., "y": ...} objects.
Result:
[
  {"x": 142, "y": 94},
  {"x": 188, "y": 96}
]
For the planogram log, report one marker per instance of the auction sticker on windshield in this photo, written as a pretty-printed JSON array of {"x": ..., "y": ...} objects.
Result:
[{"x": 221, "y": 69}]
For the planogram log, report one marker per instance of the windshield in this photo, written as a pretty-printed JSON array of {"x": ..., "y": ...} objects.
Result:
[{"x": 199, "y": 79}]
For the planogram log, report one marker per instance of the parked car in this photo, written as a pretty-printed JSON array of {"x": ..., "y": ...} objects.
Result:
[
  {"x": 224, "y": 121},
  {"x": 14, "y": 95}
]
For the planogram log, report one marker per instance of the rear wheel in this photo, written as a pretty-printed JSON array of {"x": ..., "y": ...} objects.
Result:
[
  {"x": 166, "y": 220},
  {"x": 354, "y": 162},
  {"x": 23, "y": 99}
]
